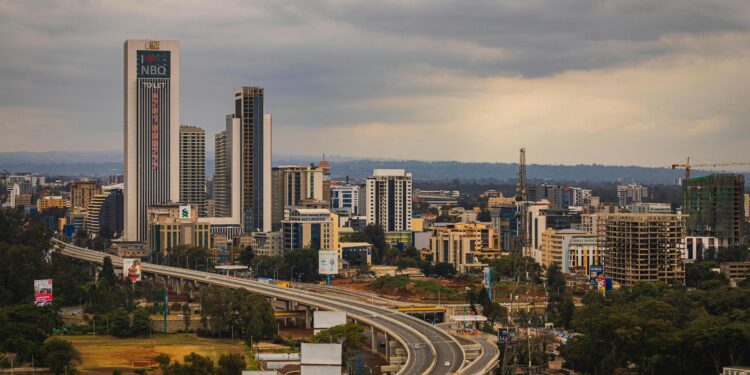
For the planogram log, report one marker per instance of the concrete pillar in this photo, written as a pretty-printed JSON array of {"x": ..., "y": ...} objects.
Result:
[
  {"x": 374, "y": 339},
  {"x": 387, "y": 347},
  {"x": 308, "y": 318}
]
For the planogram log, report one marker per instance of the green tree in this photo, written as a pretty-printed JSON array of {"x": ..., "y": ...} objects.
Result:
[
  {"x": 81, "y": 238},
  {"x": 120, "y": 323},
  {"x": 141, "y": 322},
  {"x": 186, "y": 316},
  {"x": 246, "y": 256},
  {"x": 231, "y": 364},
  {"x": 193, "y": 364},
  {"x": 164, "y": 361},
  {"x": 107, "y": 275},
  {"x": 375, "y": 235},
  {"x": 555, "y": 279},
  {"x": 60, "y": 356},
  {"x": 349, "y": 335}
]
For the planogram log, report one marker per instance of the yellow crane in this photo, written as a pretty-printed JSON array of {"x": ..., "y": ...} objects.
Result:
[{"x": 687, "y": 165}]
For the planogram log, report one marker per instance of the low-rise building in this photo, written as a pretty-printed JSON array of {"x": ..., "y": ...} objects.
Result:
[
  {"x": 459, "y": 244},
  {"x": 129, "y": 249},
  {"x": 735, "y": 271},
  {"x": 355, "y": 254},
  {"x": 571, "y": 250},
  {"x": 51, "y": 201},
  {"x": 315, "y": 228},
  {"x": 172, "y": 224}
]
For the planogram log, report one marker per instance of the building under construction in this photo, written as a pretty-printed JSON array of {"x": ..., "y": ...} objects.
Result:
[
  {"x": 642, "y": 247},
  {"x": 714, "y": 205}
]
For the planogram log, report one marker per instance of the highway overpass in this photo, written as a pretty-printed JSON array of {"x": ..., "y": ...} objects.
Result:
[{"x": 435, "y": 346}]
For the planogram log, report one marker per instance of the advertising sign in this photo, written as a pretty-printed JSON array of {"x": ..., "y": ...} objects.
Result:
[
  {"x": 185, "y": 212},
  {"x": 153, "y": 64},
  {"x": 131, "y": 269},
  {"x": 601, "y": 284},
  {"x": 487, "y": 272},
  {"x": 328, "y": 262},
  {"x": 594, "y": 271},
  {"x": 43, "y": 292}
]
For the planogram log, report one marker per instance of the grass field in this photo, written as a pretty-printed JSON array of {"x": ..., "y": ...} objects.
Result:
[{"x": 102, "y": 354}]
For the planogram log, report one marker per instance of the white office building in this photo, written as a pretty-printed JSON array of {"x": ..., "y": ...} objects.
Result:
[
  {"x": 389, "y": 199},
  {"x": 152, "y": 125}
]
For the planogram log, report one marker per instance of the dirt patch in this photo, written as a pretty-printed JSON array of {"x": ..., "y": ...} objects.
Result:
[{"x": 102, "y": 354}]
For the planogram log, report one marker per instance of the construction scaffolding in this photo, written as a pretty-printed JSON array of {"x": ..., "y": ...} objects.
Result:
[
  {"x": 715, "y": 207},
  {"x": 642, "y": 247}
]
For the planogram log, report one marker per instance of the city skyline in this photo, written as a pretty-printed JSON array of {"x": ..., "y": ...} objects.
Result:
[{"x": 396, "y": 86}]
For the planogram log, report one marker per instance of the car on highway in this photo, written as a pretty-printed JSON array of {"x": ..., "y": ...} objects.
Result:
[{"x": 447, "y": 363}]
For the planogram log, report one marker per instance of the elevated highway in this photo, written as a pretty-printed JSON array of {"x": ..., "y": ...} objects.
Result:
[{"x": 435, "y": 346}]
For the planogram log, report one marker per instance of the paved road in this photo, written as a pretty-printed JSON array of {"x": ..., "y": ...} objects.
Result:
[
  {"x": 490, "y": 355},
  {"x": 436, "y": 346},
  {"x": 490, "y": 351}
]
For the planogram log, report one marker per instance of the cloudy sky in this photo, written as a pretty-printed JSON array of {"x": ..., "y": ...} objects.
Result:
[{"x": 635, "y": 82}]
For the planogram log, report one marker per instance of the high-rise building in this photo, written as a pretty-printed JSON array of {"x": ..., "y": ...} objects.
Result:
[
  {"x": 292, "y": 186},
  {"x": 267, "y": 192},
  {"x": 152, "y": 124},
  {"x": 715, "y": 207},
  {"x": 81, "y": 193},
  {"x": 221, "y": 176},
  {"x": 504, "y": 219},
  {"x": 105, "y": 214},
  {"x": 248, "y": 108},
  {"x": 348, "y": 198},
  {"x": 536, "y": 224},
  {"x": 193, "y": 167},
  {"x": 631, "y": 193},
  {"x": 389, "y": 199},
  {"x": 642, "y": 247}
]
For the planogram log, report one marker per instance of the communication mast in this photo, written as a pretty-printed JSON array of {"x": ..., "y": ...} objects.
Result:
[{"x": 521, "y": 240}]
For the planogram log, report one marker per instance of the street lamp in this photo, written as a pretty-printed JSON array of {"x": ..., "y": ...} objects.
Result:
[
  {"x": 274, "y": 272},
  {"x": 291, "y": 273},
  {"x": 299, "y": 277}
]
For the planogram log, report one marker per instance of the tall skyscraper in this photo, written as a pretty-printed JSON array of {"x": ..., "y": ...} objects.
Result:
[
  {"x": 152, "y": 123},
  {"x": 193, "y": 167},
  {"x": 248, "y": 108},
  {"x": 221, "y": 176},
  {"x": 389, "y": 204}
]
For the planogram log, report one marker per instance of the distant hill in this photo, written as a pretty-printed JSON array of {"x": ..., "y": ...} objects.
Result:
[{"x": 102, "y": 163}]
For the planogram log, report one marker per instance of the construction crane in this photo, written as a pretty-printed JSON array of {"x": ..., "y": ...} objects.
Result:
[{"x": 687, "y": 165}]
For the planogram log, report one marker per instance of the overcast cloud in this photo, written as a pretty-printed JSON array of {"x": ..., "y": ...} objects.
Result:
[{"x": 575, "y": 81}]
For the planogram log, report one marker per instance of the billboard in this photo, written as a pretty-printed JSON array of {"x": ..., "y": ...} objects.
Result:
[
  {"x": 131, "y": 269},
  {"x": 320, "y": 354},
  {"x": 43, "y": 292},
  {"x": 327, "y": 319},
  {"x": 487, "y": 282},
  {"x": 185, "y": 212},
  {"x": 328, "y": 262},
  {"x": 594, "y": 271},
  {"x": 153, "y": 64}
]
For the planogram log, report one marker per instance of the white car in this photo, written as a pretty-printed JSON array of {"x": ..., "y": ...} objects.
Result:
[
  {"x": 416, "y": 346},
  {"x": 447, "y": 363}
]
